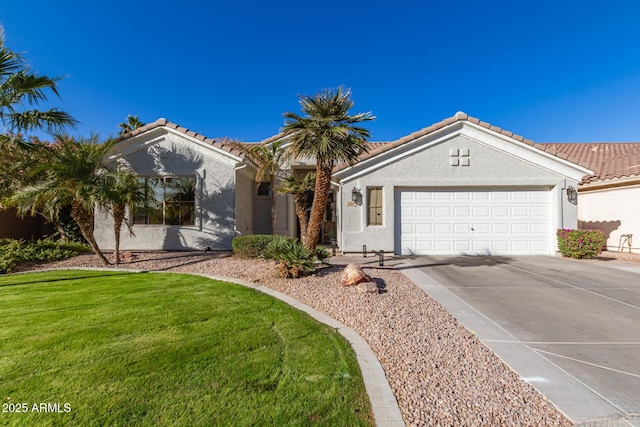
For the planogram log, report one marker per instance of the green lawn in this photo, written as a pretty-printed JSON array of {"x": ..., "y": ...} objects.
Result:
[{"x": 167, "y": 349}]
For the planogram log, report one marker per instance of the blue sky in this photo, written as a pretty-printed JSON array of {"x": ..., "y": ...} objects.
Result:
[{"x": 547, "y": 70}]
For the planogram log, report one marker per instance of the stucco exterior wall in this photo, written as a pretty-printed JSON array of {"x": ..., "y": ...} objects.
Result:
[
  {"x": 428, "y": 164},
  {"x": 615, "y": 211},
  {"x": 216, "y": 218}
]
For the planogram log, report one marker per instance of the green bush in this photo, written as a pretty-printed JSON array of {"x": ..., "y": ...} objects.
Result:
[
  {"x": 321, "y": 254},
  {"x": 252, "y": 246},
  {"x": 14, "y": 252},
  {"x": 580, "y": 243}
]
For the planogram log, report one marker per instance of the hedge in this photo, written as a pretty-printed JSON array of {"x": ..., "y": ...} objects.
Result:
[{"x": 252, "y": 246}]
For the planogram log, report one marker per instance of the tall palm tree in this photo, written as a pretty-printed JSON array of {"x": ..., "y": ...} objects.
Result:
[
  {"x": 268, "y": 158},
  {"x": 329, "y": 134},
  {"x": 299, "y": 186},
  {"x": 132, "y": 123},
  {"x": 122, "y": 189},
  {"x": 20, "y": 92},
  {"x": 73, "y": 174}
]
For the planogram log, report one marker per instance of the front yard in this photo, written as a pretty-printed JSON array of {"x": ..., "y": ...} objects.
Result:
[{"x": 120, "y": 348}]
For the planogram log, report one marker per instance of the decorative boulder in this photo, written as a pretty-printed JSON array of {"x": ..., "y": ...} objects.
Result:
[
  {"x": 367, "y": 288},
  {"x": 353, "y": 274}
]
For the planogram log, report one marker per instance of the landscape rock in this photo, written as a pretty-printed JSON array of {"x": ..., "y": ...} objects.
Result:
[
  {"x": 367, "y": 288},
  {"x": 353, "y": 274}
]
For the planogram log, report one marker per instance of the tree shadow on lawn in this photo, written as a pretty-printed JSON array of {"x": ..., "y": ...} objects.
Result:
[{"x": 17, "y": 279}]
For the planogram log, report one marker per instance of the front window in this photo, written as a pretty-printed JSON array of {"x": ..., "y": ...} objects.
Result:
[
  {"x": 169, "y": 201},
  {"x": 374, "y": 206}
]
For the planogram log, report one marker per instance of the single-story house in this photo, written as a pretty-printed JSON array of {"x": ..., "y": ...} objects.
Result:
[
  {"x": 460, "y": 186},
  {"x": 609, "y": 199}
]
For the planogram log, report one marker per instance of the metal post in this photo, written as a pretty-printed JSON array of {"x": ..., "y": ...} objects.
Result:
[
  {"x": 364, "y": 251},
  {"x": 381, "y": 260},
  {"x": 333, "y": 247}
]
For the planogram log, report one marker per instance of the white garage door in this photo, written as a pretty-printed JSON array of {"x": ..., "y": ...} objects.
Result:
[{"x": 432, "y": 221}]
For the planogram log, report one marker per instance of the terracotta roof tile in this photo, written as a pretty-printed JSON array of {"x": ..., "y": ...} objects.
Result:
[
  {"x": 609, "y": 160},
  {"x": 220, "y": 143}
]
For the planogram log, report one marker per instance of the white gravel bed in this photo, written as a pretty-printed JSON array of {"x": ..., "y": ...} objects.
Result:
[{"x": 440, "y": 373}]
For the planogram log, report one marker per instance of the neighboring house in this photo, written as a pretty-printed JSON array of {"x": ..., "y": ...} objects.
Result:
[
  {"x": 609, "y": 199},
  {"x": 460, "y": 186}
]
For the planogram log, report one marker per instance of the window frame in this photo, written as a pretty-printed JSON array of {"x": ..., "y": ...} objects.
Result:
[
  {"x": 163, "y": 205},
  {"x": 376, "y": 211}
]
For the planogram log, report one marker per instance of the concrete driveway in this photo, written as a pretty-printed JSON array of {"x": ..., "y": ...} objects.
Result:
[{"x": 570, "y": 328}]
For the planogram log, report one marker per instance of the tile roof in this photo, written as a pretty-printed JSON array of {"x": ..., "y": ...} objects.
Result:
[
  {"x": 608, "y": 160},
  {"x": 458, "y": 117},
  {"x": 224, "y": 144}
]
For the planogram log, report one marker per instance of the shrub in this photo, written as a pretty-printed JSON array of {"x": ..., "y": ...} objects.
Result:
[
  {"x": 294, "y": 259},
  {"x": 580, "y": 243},
  {"x": 321, "y": 254},
  {"x": 252, "y": 246},
  {"x": 14, "y": 252}
]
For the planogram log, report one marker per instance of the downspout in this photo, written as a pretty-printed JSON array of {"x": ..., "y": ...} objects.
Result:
[
  {"x": 339, "y": 217},
  {"x": 235, "y": 189},
  {"x": 562, "y": 192}
]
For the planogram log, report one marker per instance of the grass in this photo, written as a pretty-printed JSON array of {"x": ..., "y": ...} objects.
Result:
[{"x": 155, "y": 349}]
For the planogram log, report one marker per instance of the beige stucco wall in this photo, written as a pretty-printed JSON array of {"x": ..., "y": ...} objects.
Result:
[
  {"x": 615, "y": 211},
  {"x": 428, "y": 165},
  {"x": 218, "y": 178}
]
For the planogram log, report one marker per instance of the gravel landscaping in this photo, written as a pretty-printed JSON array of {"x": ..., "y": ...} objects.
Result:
[{"x": 441, "y": 374}]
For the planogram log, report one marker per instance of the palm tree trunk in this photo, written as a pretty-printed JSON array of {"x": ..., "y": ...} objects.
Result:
[
  {"x": 320, "y": 196},
  {"x": 272, "y": 199},
  {"x": 300, "y": 201},
  {"x": 118, "y": 218},
  {"x": 84, "y": 219}
]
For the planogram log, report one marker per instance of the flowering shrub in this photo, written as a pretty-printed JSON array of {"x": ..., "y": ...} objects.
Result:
[{"x": 580, "y": 243}]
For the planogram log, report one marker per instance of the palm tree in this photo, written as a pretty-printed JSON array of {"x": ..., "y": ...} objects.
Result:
[
  {"x": 268, "y": 158},
  {"x": 299, "y": 186},
  {"x": 327, "y": 133},
  {"x": 122, "y": 189},
  {"x": 72, "y": 174},
  {"x": 21, "y": 89},
  {"x": 132, "y": 123}
]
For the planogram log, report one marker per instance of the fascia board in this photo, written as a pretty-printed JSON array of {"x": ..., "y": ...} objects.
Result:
[{"x": 607, "y": 184}]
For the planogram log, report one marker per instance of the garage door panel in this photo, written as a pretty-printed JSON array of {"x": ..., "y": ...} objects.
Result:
[
  {"x": 498, "y": 211},
  {"x": 442, "y": 228},
  {"x": 519, "y": 228},
  {"x": 500, "y": 228},
  {"x": 538, "y": 211},
  {"x": 480, "y": 211},
  {"x": 480, "y": 228},
  {"x": 423, "y": 211},
  {"x": 473, "y": 221},
  {"x": 443, "y": 246},
  {"x": 442, "y": 211},
  {"x": 461, "y": 246},
  {"x": 461, "y": 228}
]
